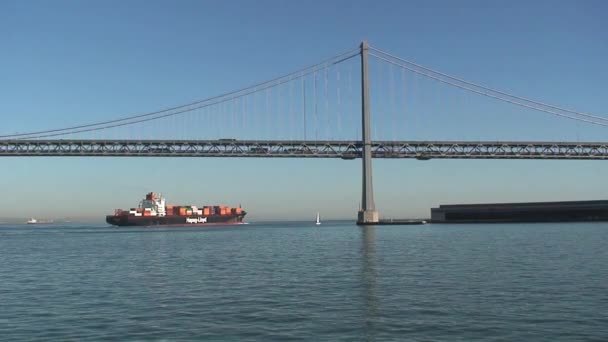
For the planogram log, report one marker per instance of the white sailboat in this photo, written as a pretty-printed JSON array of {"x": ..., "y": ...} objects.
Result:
[{"x": 318, "y": 221}]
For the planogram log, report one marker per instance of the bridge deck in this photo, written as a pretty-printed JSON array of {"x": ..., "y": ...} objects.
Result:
[{"x": 304, "y": 149}]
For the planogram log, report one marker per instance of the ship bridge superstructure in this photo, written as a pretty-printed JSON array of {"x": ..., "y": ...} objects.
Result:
[{"x": 154, "y": 203}]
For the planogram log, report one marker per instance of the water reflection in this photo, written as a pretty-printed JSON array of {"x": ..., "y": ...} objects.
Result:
[{"x": 368, "y": 281}]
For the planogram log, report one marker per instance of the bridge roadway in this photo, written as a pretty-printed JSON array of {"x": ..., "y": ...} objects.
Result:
[{"x": 421, "y": 150}]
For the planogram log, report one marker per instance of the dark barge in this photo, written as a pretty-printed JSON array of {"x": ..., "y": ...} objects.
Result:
[{"x": 567, "y": 211}]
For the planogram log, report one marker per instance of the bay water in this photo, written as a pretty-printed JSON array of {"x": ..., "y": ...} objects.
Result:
[{"x": 283, "y": 281}]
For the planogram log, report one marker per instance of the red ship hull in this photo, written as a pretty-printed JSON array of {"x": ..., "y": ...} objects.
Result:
[{"x": 173, "y": 220}]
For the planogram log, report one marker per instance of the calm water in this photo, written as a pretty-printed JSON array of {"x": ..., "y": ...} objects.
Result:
[{"x": 300, "y": 282}]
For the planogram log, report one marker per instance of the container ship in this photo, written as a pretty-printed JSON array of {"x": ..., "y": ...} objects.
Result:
[{"x": 153, "y": 211}]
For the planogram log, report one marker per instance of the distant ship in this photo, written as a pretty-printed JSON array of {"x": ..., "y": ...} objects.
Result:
[
  {"x": 153, "y": 211},
  {"x": 34, "y": 221},
  {"x": 318, "y": 221}
]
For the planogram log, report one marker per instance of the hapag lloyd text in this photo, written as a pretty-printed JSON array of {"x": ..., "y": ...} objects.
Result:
[{"x": 196, "y": 220}]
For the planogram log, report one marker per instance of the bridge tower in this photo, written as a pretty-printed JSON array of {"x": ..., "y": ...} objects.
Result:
[{"x": 368, "y": 213}]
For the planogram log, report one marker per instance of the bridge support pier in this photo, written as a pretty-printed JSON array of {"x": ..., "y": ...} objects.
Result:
[
  {"x": 368, "y": 213},
  {"x": 367, "y": 217}
]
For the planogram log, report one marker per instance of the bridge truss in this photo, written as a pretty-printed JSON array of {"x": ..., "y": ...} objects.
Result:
[{"x": 421, "y": 150}]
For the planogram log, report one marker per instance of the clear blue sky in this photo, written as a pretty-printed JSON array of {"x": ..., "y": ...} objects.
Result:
[{"x": 76, "y": 62}]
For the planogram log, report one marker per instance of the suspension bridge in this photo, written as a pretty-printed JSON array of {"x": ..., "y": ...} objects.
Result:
[{"x": 325, "y": 111}]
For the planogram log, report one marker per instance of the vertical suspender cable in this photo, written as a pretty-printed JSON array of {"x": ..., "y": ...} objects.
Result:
[
  {"x": 352, "y": 103},
  {"x": 279, "y": 114},
  {"x": 326, "y": 106},
  {"x": 291, "y": 114},
  {"x": 339, "y": 102},
  {"x": 316, "y": 103},
  {"x": 304, "y": 104},
  {"x": 392, "y": 95}
]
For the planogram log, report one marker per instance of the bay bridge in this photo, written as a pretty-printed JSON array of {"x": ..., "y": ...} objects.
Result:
[
  {"x": 421, "y": 150},
  {"x": 325, "y": 111}
]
